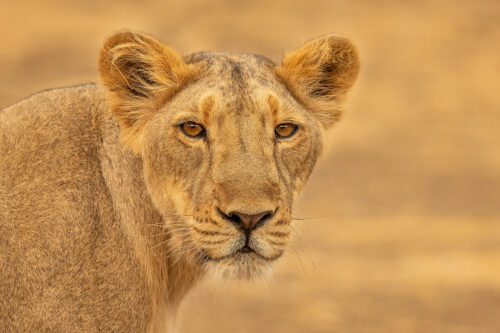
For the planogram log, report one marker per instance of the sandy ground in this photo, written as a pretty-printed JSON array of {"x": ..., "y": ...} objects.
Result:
[{"x": 405, "y": 234}]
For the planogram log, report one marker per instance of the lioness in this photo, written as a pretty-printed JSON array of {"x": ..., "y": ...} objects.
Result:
[{"x": 116, "y": 199}]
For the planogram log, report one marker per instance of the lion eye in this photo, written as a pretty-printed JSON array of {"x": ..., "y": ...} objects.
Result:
[
  {"x": 283, "y": 131},
  {"x": 192, "y": 129}
]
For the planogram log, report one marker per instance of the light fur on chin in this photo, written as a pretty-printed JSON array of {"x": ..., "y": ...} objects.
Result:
[{"x": 242, "y": 267}]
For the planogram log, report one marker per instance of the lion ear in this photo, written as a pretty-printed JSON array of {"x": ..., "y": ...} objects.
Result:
[
  {"x": 320, "y": 73},
  {"x": 141, "y": 74}
]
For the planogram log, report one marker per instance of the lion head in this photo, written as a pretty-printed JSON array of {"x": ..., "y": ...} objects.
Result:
[{"x": 227, "y": 140}]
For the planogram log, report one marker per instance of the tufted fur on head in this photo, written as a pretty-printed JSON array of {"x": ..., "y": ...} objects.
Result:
[
  {"x": 320, "y": 73},
  {"x": 141, "y": 74}
]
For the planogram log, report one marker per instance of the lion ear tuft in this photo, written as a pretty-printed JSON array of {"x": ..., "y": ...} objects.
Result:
[
  {"x": 141, "y": 74},
  {"x": 320, "y": 73}
]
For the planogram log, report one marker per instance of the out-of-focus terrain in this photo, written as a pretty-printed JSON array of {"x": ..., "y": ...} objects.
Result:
[{"x": 404, "y": 234}]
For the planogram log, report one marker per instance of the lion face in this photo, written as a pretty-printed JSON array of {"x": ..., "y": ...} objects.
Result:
[
  {"x": 227, "y": 141},
  {"x": 234, "y": 154}
]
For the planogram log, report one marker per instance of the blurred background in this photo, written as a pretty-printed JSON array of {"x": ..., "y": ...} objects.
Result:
[{"x": 403, "y": 221}]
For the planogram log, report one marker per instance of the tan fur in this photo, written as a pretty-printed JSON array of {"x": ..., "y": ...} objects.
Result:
[{"x": 109, "y": 214}]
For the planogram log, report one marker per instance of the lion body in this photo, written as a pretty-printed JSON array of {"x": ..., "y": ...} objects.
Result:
[
  {"x": 61, "y": 240},
  {"x": 109, "y": 214}
]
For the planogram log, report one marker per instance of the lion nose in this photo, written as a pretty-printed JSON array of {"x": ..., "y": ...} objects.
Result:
[{"x": 245, "y": 221}]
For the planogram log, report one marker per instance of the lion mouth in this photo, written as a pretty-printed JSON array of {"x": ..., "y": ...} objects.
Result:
[{"x": 244, "y": 251}]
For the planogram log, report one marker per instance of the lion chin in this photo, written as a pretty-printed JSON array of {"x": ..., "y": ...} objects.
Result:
[{"x": 240, "y": 266}]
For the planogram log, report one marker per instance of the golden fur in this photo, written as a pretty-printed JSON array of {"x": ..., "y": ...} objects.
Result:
[{"x": 109, "y": 214}]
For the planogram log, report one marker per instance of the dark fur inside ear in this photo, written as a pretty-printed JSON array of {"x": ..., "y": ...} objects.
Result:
[
  {"x": 325, "y": 86},
  {"x": 141, "y": 83},
  {"x": 320, "y": 73},
  {"x": 141, "y": 74}
]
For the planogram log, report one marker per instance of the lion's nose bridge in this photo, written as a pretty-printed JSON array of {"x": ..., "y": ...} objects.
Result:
[{"x": 246, "y": 182}]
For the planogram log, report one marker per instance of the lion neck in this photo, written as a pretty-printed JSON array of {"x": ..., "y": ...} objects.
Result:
[{"x": 168, "y": 273}]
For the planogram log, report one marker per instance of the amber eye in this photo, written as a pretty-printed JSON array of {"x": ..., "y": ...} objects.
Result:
[
  {"x": 192, "y": 129},
  {"x": 285, "y": 130}
]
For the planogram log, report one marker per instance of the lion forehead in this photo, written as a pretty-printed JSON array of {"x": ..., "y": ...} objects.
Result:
[
  {"x": 234, "y": 73},
  {"x": 236, "y": 89}
]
